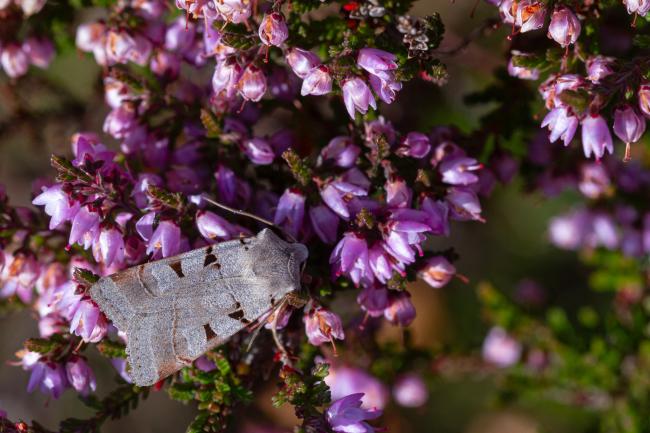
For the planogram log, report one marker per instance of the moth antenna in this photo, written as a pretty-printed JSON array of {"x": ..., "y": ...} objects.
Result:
[{"x": 250, "y": 215}]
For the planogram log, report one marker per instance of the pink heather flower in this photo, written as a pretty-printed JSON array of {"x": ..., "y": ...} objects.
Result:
[
  {"x": 235, "y": 11},
  {"x": 437, "y": 272},
  {"x": 121, "y": 120},
  {"x": 226, "y": 76},
  {"x": 521, "y": 72},
  {"x": 273, "y": 29},
  {"x": 49, "y": 377},
  {"x": 89, "y": 36},
  {"x": 350, "y": 257},
  {"x": 501, "y": 349},
  {"x": 88, "y": 322},
  {"x": 302, "y": 61},
  {"x": 410, "y": 391},
  {"x": 567, "y": 231},
  {"x": 598, "y": 67},
  {"x": 166, "y": 239},
  {"x": 30, "y": 7},
  {"x": 341, "y": 151},
  {"x": 323, "y": 326},
  {"x": 179, "y": 35},
  {"x": 57, "y": 204},
  {"x": 594, "y": 181},
  {"x": 398, "y": 194},
  {"x": 564, "y": 27},
  {"x": 561, "y": 123},
  {"x": 213, "y": 227},
  {"x": 376, "y": 61},
  {"x": 415, "y": 145},
  {"x": 40, "y": 51},
  {"x": 338, "y": 194},
  {"x": 373, "y": 300},
  {"x": 325, "y": 223},
  {"x": 629, "y": 126},
  {"x": 463, "y": 204},
  {"x": 290, "y": 211},
  {"x": 437, "y": 215},
  {"x": 459, "y": 171},
  {"x": 259, "y": 151},
  {"x": 318, "y": 81},
  {"x": 400, "y": 310},
  {"x": 385, "y": 87},
  {"x": 165, "y": 64},
  {"x": 639, "y": 7},
  {"x": 644, "y": 99},
  {"x": 111, "y": 246},
  {"x": 529, "y": 15},
  {"x": 357, "y": 96},
  {"x": 141, "y": 186},
  {"x": 252, "y": 84},
  {"x": 344, "y": 380},
  {"x": 346, "y": 416},
  {"x": 596, "y": 138},
  {"x": 120, "y": 365},
  {"x": 84, "y": 227},
  {"x": 19, "y": 276},
  {"x": 80, "y": 376},
  {"x": 14, "y": 61}
]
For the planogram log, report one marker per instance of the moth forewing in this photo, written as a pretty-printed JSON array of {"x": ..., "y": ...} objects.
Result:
[{"x": 174, "y": 310}]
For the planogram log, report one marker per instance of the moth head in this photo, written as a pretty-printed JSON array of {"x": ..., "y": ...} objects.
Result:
[{"x": 280, "y": 261}]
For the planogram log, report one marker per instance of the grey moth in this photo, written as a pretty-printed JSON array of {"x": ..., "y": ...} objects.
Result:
[{"x": 174, "y": 310}]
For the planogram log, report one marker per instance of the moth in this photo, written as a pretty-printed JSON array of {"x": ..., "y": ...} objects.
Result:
[{"x": 175, "y": 309}]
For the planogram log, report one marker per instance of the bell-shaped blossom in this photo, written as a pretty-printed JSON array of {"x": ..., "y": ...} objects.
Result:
[
  {"x": 410, "y": 390},
  {"x": 341, "y": 151},
  {"x": 14, "y": 60},
  {"x": 302, "y": 61},
  {"x": 19, "y": 275},
  {"x": 80, "y": 376},
  {"x": 599, "y": 67},
  {"x": 381, "y": 263},
  {"x": 252, "y": 83},
  {"x": 226, "y": 76},
  {"x": 259, "y": 151},
  {"x": 638, "y": 7},
  {"x": 463, "y": 204},
  {"x": 234, "y": 11},
  {"x": 40, "y": 51},
  {"x": 57, "y": 204},
  {"x": 111, "y": 246},
  {"x": 88, "y": 322},
  {"x": 644, "y": 99},
  {"x": 230, "y": 188},
  {"x": 564, "y": 27},
  {"x": 346, "y": 416},
  {"x": 338, "y": 194},
  {"x": 373, "y": 300},
  {"x": 629, "y": 126},
  {"x": 89, "y": 36},
  {"x": 30, "y": 7},
  {"x": 561, "y": 123},
  {"x": 437, "y": 271},
  {"x": 529, "y": 15},
  {"x": 376, "y": 61},
  {"x": 398, "y": 194},
  {"x": 345, "y": 380},
  {"x": 84, "y": 227},
  {"x": 357, "y": 96},
  {"x": 521, "y": 72},
  {"x": 179, "y": 35},
  {"x": 273, "y": 29},
  {"x": 594, "y": 181},
  {"x": 459, "y": 171},
  {"x": 290, "y": 211},
  {"x": 318, "y": 81},
  {"x": 165, "y": 64},
  {"x": 166, "y": 239},
  {"x": 400, "y": 310},
  {"x": 385, "y": 87},
  {"x": 49, "y": 377},
  {"x": 213, "y": 227},
  {"x": 325, "y": 223},
  {"x": 437, "y": 215},
  {"x": 567, "y": 231},
  {"x": 121, "y": 120},
  {"x": 323, "y": 326},
  {"x": 501, "y": 349},
  {"x": 415, "y": 145},
  {"x": 596, "y": 138},
  {"x": 350, "y": 257}
]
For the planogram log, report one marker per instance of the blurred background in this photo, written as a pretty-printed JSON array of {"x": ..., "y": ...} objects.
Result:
[{"x": 510, "y": 250}]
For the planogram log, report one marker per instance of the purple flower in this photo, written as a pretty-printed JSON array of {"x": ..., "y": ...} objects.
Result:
[
  {"x": 203, "y": 363},
  {"x": 290, "y": 211},
  {"x": 350, "y": 257},
  {"x": 463, "y": 204},
  {"x": 561, "y": 123},
  {"x": 80, "y": 376},
  {"x": 120, "y": 365},
  {"x": 567, "y": 231},
  {"x": 318, "y": 81},
  {"x": 179, "y": 35},
  {"x": 344, "y": 380},
  {"x": 323, "y": 326},
  {"x": 14, "y": 60},
  {"x": 373, "y": 300},
  {"x": 380, "y": 262},
  {"x": 226, "y": 76},
  {"x": 40, "y": 51},
  {"x": 141, "y": 186},
  {"x": 629, "y": 126},
  {"x": 564, "y": 27},
  {"x": 376, "y": 61},
  {"x": 235, "y": 11},
  {"x": 252, "y": 84},
  {"x": 501, "y": 349},
  {"x": 121, "y": 120},
  {"x": 410, "y": 391},
  {"x": 30, "y": 7},
  {"x": 357, "y": 95},
  {"x": 325, "y": 223},
  {"x": 386, "y": 87},
  {"x": 84, "y": 227},
  {"x": 400, "y": 310},
  {"x": 259, "y": 151},
  {"x": 437, "y": 215},
  {"x": 273, "y": 29},
  {"x": 338, "y": 194},
  {"x": 346, "y": 416},
  {"x": 57, "y": 205},
  {"x": 598, "y": 67},
  {"x": 341, "y": 151},
  {"x": 111, "y": 246},
  {"x": 302, "y": 61},
  {"x": 165, "y": 64},
  {"x": 638, "y": 7},
  {"x": 459, "y": 171},
  {"x": 529, "y": 15},
  {"x": 594, "y": 181},
  {"x": 88, "y": 322},
  {"x": 644, "y": 98},
  {"x": 596, "y": 138},
  {"x": 398, "y": 194},
  {"x": 49, "y": 377},
  {"x": 522, "y": 72},
  {"x": 19, "y": 276},
  {"x": 415, "y": 145},
  {"x": 213, "y": 227},
  {"x": 437, "y": 272},
  {"x": 166, "y": 239}
]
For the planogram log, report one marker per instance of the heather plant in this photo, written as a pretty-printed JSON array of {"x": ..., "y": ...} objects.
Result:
[{"x": 282, "y": 110}]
